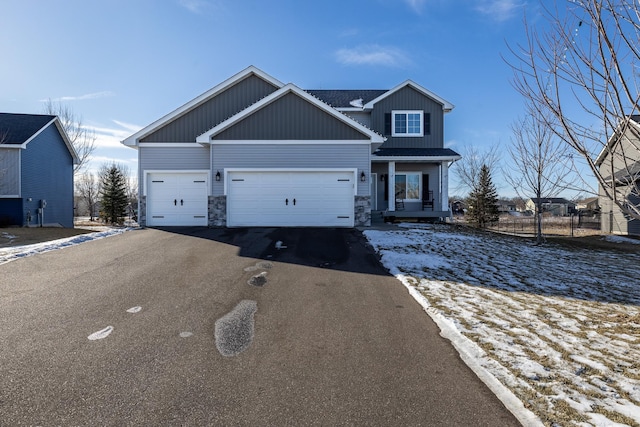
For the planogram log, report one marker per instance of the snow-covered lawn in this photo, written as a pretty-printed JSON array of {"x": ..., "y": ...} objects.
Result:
[{"x": 558, "y": 327}]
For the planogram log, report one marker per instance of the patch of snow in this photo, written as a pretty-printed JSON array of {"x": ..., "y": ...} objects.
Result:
[
  {"x": 101, "y": 334},
  {"x": 621, "y": 239},
  {"x": 16, "y": 252},
  {"x": 135, "y": 309}
]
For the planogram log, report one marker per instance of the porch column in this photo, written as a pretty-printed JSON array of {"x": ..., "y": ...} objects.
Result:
[
  {"x": 444, "y": 186},
  {"x": 391, "y": 182}
]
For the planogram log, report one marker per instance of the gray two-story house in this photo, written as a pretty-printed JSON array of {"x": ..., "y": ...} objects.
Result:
[{"x": 253, "y": 151}]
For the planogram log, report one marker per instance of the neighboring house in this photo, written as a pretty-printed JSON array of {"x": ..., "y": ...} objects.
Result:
[
  {"x": 619, "y": 163},
  {"x": 36, "y": 171},
  {"x": 589, "y": 205},
  {"x": 506, "y": 206},
  {"x": 555, "y": 206},
  {"x": 253, "y": 151}
]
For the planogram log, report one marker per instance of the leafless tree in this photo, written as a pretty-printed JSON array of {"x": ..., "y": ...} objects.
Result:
[
  {"x": 539, "y": 166},
  {"x": 580, "y": 73},
  {"x": 87, "y": 188},
  {"x": 82, "y": 139},
  {"x": 468, "y": 168}
]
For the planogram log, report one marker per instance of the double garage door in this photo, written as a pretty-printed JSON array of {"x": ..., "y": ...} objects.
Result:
[
  {"x": 255, "y": 199},
  {"x": 290, "y": 199}
]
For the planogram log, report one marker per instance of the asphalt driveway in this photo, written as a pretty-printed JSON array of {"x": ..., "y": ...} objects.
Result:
[{"x": 220, "y": 327}]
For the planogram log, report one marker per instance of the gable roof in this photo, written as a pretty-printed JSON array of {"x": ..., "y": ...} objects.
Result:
[
  {"x": 134, "y": 139},
  {"x": 348, "y": 98},
  {"x": 634, "y": 120},
  {"x": 285, "y": 90},
  {"x": 446, "y": 105},
  {"x": 18, "y": 130}
]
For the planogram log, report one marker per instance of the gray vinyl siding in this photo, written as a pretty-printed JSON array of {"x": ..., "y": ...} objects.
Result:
[
  {"x": 171, "y": 158},
  {"x": 261, "y": 156},
  {"x": 408, "y": 98},
  {"x": 362, "y": 117},
  {"x": 207, "y": 115},
  {"x": 290, "y": 118},
  {"x": 9, "y": 172}
]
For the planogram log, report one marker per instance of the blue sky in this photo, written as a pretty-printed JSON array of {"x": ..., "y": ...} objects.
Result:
[{"x": 124, "y": 64}]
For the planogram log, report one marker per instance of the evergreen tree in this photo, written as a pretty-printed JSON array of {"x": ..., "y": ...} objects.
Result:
[
  {"x": 483, "y": 208},
  {"x": 113, "y": 194}
]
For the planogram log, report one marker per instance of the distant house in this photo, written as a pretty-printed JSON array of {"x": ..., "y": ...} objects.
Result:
[
  {"x": 619, "y": 163},
  {"x": 253, "y": 151},
  {"x": 589, "y": 205},
  {"x": 556, "y": 206},
  {"x": 36, "y": 171},
  {"x": 506, "y": 206}
]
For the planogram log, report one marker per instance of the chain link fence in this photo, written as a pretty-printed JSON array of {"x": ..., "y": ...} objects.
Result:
[{"x": 573, "y": 225}]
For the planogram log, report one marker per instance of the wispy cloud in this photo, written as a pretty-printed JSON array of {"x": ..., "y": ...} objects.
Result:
[
  {"x": 372, "y": 55},
  {"x": 500, "y": 10},
  {"x": 416, "y": 5},
  {"x": 198, "y": 6},
  {"x": 95, "y": 95},
  {"x": 110, "y": 136}
]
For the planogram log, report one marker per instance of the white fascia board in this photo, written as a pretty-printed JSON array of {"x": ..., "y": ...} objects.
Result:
[
  {"x": 132, "y": 141},
  {"x": 416, "y": 159},
  {"x": 291, "y": 142},
  {"x": 289, "y": 88},
  {"x": 446, "y": 105},
  {"x": 67, "y": 142},
  {"x": 612, "y": 141},
  {"x": 62, "y": 133}
]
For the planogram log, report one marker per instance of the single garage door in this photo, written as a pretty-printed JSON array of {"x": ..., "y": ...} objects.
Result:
[
  {"x": 295, "y": 199},
  {"x": 175, "y": 199}
]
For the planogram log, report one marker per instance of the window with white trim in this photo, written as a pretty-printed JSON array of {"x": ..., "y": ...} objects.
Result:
[
  {"x": 407, "y": 123},
  {"x": 407, "y": 186}
]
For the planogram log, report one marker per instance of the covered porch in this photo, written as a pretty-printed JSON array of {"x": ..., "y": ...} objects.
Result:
[{"x": 411, "y": 183}]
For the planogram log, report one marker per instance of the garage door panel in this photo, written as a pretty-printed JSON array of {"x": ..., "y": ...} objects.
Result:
[
  {"x": 177, "y": 199},
  {"x": 290, "y": 199}
]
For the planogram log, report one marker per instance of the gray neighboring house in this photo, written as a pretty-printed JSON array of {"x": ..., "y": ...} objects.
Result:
[
  {"x": 556, "y": 206},
  {"x": 619, "y": 162},
  {"x": 36, "y": 171},
  {"x": 253, "y": 151}
]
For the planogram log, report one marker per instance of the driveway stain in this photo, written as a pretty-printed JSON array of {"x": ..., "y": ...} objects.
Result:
[
  {"x": 234, "y": 331},
  {"x": 258, "y": 280}
]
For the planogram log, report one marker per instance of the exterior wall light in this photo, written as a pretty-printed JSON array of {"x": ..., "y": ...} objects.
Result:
[
  {"x": 382, "y": 177},
  {"x": 363, "y": 177},
  {"x": 218, "y": 176}
]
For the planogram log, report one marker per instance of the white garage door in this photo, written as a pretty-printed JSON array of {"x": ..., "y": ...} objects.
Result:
[
  {"x": 309, "y": 199},
  {"x": 177, "y": 199}
]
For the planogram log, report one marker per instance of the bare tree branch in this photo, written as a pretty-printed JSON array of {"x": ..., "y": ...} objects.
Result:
[
  {"x": 580, "y": 75},
  {"x": 82, "y": 139}
]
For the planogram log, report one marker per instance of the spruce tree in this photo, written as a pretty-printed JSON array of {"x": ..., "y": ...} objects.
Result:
[
  {"x": 113, "y": 193},
  {"x": 483, "y": 208}
]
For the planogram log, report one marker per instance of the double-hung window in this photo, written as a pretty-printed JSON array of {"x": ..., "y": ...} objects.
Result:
[
  {"x": 407, "y": 123},
  {"x": 408, "y": 186}
]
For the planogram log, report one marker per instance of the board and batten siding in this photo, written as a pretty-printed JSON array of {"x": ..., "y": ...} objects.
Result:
[
  {"x": 290, "y": 118},
  {"x": 408, "y": 98},
  {"x": 292, "y": 156},
  {"x": 171, "y": 158},
  {"x": 212, "y": 112},
  {"x": 9, "y": 172}
]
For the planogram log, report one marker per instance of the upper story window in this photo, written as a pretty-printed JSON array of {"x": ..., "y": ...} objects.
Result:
[{"x": 407, "y": 123}]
